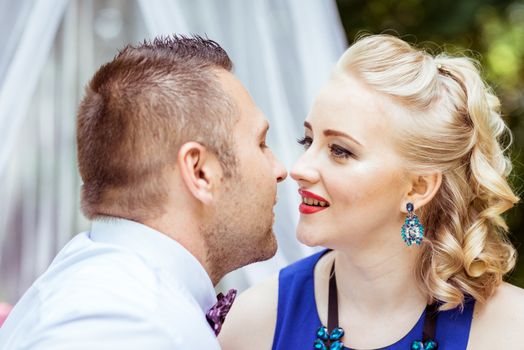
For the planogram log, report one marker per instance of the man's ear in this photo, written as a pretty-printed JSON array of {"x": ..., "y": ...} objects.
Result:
[
  {"x": 423, "y": 189},
  {"x": 200, "y": 170}
]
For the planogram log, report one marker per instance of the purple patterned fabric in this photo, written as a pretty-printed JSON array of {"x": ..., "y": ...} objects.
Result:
[{"x": 217, "y": 314}]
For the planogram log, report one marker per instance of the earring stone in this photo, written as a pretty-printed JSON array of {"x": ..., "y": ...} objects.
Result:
[{"x": 412, "y": 231}]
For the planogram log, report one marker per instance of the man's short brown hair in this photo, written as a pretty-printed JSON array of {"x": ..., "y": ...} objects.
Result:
[{"x": 138, "y": 109}]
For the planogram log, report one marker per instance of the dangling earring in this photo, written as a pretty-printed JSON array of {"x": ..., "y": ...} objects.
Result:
[{"x": 412, "y": 230}]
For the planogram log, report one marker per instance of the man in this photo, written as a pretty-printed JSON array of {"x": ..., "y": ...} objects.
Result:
[{"x": 180, "y": 186}]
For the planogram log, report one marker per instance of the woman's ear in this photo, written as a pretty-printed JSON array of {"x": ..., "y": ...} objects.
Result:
[
  {"x": 423, "y": 189},
  {"x": 200, "y": 171}
]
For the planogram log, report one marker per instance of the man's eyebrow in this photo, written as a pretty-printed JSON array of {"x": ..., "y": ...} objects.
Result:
[{"x": 331, "y": 132}]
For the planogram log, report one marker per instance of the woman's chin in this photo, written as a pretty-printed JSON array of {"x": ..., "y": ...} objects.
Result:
[{"x": 311, "y": 239}]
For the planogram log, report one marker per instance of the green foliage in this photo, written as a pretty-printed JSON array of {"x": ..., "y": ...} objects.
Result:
[{"x": 490, "y": 31}]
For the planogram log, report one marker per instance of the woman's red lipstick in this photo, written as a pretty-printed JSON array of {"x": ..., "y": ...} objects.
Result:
[{"x": 311, "y": 209}]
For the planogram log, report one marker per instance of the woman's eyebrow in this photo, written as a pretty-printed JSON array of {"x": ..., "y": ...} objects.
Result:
[{"x": 331, "y": 132}]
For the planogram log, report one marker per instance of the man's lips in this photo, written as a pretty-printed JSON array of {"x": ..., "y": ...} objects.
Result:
[{"x": 310, "y": 208}]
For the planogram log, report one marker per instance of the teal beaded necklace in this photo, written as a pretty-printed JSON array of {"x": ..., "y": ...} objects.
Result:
[{"x": 330, "y": 338}]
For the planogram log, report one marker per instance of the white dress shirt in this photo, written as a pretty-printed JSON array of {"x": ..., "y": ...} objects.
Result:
[{"x": 122, "y": 285}]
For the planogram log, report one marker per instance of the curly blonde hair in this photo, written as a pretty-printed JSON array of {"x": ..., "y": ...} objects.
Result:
[{"x": 453, "y": 126}]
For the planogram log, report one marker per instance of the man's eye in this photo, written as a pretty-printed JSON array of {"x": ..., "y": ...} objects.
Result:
[
  {"x": 305, "y": 141},
  {"x": 339, "y": 152}
]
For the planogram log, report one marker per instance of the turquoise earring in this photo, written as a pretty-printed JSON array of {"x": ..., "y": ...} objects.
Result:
[{"x": 412, "y": 230}]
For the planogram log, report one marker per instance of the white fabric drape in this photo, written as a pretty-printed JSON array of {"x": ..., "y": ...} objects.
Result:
[
  {"x": 30, "y": 54},
  {"x": 39, "y": 187},
  {"x": 283, "y": 52},
  {"x": 28, "y": 29}
]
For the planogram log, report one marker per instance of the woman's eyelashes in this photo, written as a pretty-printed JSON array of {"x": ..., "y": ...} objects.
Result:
[
  {"x": 335, "y": 150},
  {"x": 339, "y": 151},
  {"x": 305, "y": 141}
]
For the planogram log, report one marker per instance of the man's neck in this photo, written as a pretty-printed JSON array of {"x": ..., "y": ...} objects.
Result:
[{"x": 187, "y": 235}]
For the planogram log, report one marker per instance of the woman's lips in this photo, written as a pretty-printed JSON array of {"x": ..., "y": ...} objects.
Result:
[
  {"x": 311, "y": 209},
  {"x": 308, "y": 194}
]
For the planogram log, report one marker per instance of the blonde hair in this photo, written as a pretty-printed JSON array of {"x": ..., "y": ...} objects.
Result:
[{"x": 454, "y": 126}]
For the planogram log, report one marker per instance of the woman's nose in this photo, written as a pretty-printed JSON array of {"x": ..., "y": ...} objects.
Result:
[{"x": 304, "y": 169}]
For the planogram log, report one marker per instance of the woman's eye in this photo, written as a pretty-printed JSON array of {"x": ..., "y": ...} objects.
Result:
[
  {"x": 305, "y": 141},
  {"x": 339, "y": 152}
]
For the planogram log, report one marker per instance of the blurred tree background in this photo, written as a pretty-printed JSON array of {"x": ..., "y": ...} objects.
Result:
[{"x": 489, "y": 30}]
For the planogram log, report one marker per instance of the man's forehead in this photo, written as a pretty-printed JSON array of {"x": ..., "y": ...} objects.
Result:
[
  {"x": 255, "y": 122},
  {"x": 231, "y": 84},
  {"x": 250, "y": 114}
]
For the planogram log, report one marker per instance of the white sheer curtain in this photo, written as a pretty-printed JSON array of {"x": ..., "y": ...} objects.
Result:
[
  {"x": 283, "y": 52},
  {"x": 27, "y": 30},
  {"x": 60, "y": 45}
]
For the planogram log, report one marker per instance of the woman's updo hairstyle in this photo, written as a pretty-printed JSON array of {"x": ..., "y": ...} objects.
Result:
[{"x": 452, "y": 125}]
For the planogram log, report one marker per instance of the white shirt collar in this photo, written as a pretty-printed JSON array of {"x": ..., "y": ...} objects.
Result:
[{"x": 160, "y": 251}]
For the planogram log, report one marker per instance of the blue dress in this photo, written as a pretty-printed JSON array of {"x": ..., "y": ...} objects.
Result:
[{"x": 298, "y": 320}]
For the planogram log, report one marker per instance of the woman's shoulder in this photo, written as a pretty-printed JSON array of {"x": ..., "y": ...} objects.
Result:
[
  {"x": 304, "y": 265},
  {"x": 252, "y": 318},
  {"x": 506, "y": 306},
  {"x": 498, "y": 323}
]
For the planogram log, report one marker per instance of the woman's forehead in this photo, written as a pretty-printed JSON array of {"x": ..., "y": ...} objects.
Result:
[{"x": 349, "y": 105}]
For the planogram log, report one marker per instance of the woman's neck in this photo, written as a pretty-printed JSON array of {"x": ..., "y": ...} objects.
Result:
[{"x": 378, "y": 280}]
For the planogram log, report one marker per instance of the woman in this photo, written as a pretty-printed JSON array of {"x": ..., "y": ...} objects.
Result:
[{"x": 404, "y": 180}]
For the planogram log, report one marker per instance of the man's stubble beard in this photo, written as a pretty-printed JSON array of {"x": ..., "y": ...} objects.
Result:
[{"x": 240, "y": 233}]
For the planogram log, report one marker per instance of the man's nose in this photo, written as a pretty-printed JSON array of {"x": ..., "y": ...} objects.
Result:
[{"x": 280, "y": 170}]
